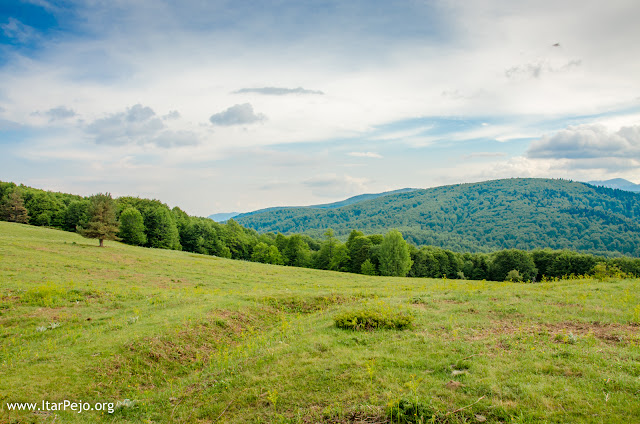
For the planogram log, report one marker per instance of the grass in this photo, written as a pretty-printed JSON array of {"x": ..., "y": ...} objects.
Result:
[{"x": 179, "y": 337}]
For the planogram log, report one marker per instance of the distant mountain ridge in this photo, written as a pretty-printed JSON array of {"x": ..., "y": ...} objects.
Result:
[
  {"x": 619, "y": 183},
  {"x": 523, "y": 213},
  {"x": 224, "y": 216},
  {"x": 334, "y": 205}
]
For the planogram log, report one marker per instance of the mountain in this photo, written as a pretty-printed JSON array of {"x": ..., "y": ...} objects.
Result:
[
  {"x": 524, "y": 213},
  {"x": 334, "y": 205},
  {"x": 360, "y": 198},
  {"x": 619, "y": 183},
  {"x": 225, "y": 216}
]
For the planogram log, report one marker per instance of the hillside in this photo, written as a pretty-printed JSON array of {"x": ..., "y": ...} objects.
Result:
[
  {"x": 193, "y": 338},
  {"x": 511, "y": 213},
  {"x": 334, "y": 205},
  {"x": 619, "y": 183}
]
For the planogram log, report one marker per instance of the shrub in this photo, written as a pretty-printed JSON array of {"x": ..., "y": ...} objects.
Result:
[
  {"x": 513, "y": 275},
  {"x": 604, "y": 271},
  {"x": 373, "y": 319}
]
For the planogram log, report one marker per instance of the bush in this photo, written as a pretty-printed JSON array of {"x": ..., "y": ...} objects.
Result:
[
  {"x": 373, "y": 319},
  {"x": 513, "y": 276},
  {"x": 603, "y": 271}
]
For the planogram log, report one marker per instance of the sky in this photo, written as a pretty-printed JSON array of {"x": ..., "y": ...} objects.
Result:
[{"x": 232, "y": 106}]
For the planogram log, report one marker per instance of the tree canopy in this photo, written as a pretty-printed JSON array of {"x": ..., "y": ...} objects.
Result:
[
  {"x": 151, "y": 223},
  {"x": 394, "y": 255},
  {"x": 12, "y": 208},
  {"x": 102, "y": 222}
]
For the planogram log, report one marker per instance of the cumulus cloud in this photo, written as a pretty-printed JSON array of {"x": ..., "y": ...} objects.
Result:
[
  {"x": 332, "y": 185},
  {"x": 134, "y": 125},
  {"x": 174, "y": 114},
  {"x": 588, "y": 142},
  {"x": 277, "y": 91},
  {"x": 366, "y": 155},
  {"x": 137, "y": 125},
  {"x": 60, "y": 112},
  {"x": 237, "y": 115}
]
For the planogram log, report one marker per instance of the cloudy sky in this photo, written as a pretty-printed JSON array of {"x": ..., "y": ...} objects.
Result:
[{"x": 219, "y": 106}]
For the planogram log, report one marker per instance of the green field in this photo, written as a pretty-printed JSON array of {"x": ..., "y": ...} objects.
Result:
[{"x": 193, "y": 338}]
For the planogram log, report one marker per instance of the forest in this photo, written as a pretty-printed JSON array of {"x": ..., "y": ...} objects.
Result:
[
  {"x": 520, "y": 213},
  {"x": 152, "y": 224}
]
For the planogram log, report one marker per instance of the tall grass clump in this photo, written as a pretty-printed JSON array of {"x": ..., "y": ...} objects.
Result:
[{"x": 373, "y": 318}]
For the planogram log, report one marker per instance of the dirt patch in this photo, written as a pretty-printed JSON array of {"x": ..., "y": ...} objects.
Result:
[
  {"x": 452, "y": 301},
  {"x": 454, "y": 385},
  {"x": 368, "y": 414},
  {"x": 560, "y": 332},
  {"x": 609, "y": 332}
]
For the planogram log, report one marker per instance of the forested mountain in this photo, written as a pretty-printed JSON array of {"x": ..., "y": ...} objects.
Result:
[
  {"x": 619, "y": 183},
  {"x": 499, "y": 206},
  {"x": 334, "y": 205},
  {"x": 522, "y": 213}
]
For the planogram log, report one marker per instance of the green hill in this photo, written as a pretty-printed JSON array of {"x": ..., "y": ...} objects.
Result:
[
  {"x": 523, "y": 213},
  {"x": 334, "y": 205},
  {"x": 166, "y": 336}
]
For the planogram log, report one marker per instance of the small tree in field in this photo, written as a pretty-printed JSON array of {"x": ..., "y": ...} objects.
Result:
[
  {"x": 102, "y": 219},
  {"x": 13, "y": 210}
]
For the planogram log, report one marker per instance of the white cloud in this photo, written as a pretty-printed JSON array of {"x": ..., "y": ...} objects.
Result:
[
  {"x": 138, "y": 125},
  {"x": 193, "y": 55},
  {"x": 18, "y": 31},
  {"x": 174, "y": 114},
  {"x": 588, "y": 142},
  {"x": 58, "y": 113},
  {"x": 237, "y": 115},
  {"x": 276, "y": 91},
  {"x": 175, "y": 139},
  {"x": 537, "y": 69},
  {"x": 135, "y": 125},
  {"x": 366, "y": 155},
  {"x": 484, "y": 155}
]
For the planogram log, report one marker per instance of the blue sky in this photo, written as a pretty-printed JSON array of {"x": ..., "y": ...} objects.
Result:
[{"x": 224, "y": 106}]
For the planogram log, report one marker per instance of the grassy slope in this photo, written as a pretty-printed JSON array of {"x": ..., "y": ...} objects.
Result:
[{"x": 228, "y": 341}]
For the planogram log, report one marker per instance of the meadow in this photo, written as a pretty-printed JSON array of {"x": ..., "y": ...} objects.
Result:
[{"x": 180, "y": 337}]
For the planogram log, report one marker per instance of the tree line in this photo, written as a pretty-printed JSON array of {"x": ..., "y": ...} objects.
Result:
[
  {"x": 521, "y": 213},
  {"x": 151, "y": 223}
]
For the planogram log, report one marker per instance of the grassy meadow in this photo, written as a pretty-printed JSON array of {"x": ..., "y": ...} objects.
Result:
[{"x": 188, "y": 338}]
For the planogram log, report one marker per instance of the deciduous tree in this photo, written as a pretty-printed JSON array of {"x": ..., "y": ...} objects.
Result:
[
  {"x": 132, "y": 227},
  {"x": 395, "y": 259}
]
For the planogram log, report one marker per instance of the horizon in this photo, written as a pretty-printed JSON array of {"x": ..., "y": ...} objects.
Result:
[
  {"x": 216, "y": 107},
  {"x": 347, "y": 198}
]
